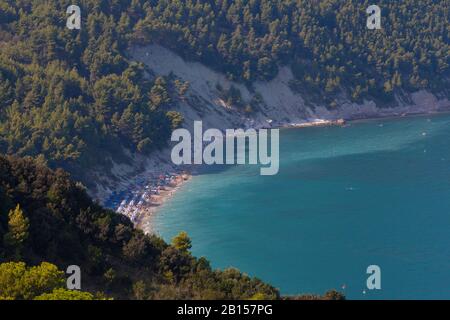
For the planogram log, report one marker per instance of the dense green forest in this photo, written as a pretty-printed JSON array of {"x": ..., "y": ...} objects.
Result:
[
  {"x": 48, "y": 222},
  {"x": 52, "y": 219},
  {"x": 325, "y": 41},
  {"x": 74, "y": 98}
]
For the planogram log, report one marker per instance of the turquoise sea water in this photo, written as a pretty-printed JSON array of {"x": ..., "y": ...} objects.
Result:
[{"x": 374, "y": 192}]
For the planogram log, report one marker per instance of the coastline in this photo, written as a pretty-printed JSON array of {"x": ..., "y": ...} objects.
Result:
[
  {"x": 403, "y": 115},
  {"x": 147, "y": 192},
  {"x": 316, "y": 123},
  {"x": 343, "y": 122},
  {"x": 280, "y": 108}
]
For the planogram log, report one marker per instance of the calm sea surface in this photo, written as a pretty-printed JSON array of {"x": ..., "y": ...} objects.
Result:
[{"x": 373, "y": 192}]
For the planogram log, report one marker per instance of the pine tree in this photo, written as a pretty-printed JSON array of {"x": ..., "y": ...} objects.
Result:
[
  {"x": 182, "y": 242},
  {"x": 158, "y": 94},
  {"x": 17, "y": 234}
]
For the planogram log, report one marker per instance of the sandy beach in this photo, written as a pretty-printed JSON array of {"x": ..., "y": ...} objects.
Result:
[
  {"x": 147, "y": 192},
  {"x": 317, "y": 123},
  {"x": 143, "y": 198}
]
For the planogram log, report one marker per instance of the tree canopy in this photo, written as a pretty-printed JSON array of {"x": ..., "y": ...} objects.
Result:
[
  {"x": 17, "y": 281},
  {"x": 75, "y": 99},
  {"x": 72, "y": 97},
  {"x": 66, "y": 227},
  {"x": 326, "y": 42}
]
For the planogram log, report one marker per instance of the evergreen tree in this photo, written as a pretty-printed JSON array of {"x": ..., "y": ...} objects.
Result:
[
  {"x": 17, "y": 234},
  {"x": 182, "y": 242}
]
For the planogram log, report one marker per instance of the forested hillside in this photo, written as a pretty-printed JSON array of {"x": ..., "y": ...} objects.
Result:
[
  {"x": 44, "y": 217},
  {"x": 326, "y": 42},
  {"x": 47, "y": 221},
  {"x": 73, "y": 98}
]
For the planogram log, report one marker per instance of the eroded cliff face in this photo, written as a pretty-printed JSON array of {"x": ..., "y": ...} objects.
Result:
[{"x": 278, "y": 106}]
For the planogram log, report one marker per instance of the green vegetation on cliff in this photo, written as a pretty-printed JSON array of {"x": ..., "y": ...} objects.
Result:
[
  {"x": 326, "y": 42},
  {"x": 74, "y": 98}
]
